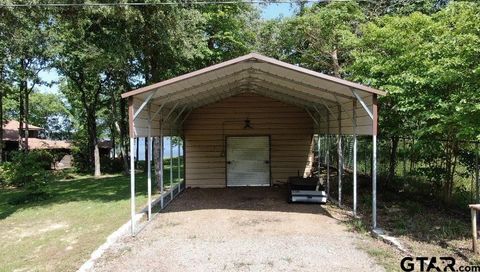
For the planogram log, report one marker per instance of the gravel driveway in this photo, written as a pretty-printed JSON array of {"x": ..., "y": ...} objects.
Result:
[{"x": 239, "y": 229}]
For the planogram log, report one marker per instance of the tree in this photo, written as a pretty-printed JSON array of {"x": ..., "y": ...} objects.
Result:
[
  {"x": 83, "y": 64},
  {"x": 5, "y": 84},
  {"x": 319, "y": 39},
  {"x": 28, "y": 56},
  {"x": 429, "y": 66}
]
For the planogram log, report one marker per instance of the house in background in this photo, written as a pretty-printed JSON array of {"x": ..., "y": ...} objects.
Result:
[
  {"x": 11, "y": 138},
  {"x": 61, "y": 148}
]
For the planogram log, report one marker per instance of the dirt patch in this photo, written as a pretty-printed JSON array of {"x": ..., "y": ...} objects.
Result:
[{"x": 241, "y": 229}]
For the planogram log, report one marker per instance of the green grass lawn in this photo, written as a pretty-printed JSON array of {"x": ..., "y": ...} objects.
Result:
[{"x": 60, "y": 233}]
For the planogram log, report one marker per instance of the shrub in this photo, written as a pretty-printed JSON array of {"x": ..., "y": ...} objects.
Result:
[
  {"x": 111, "y": 166},
  {"x": 81, "y": 160},
  {"x": 30, "y": 170}
]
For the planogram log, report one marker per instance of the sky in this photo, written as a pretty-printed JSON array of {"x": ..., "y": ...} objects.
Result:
[{"x": 269, "y": 11}]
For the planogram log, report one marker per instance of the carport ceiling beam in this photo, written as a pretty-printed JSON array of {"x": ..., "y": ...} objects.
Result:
[
  {"x": 205, "y": 93},
  {"x": 305, "y": 97},
  {"x": 340, "y": 105},
  {"x": 286, "y": 98},
  {"x": 217, "y": 81},
  {"x": 319, "y": 113},
  {"x": 145, "y": 102},
  {"x": 293, "y": 92},
  {"x": 159, "y": 109},
  {"x": 306, "y": 85},
  {"x": 313, "y": 117},
  {"x": 216, "y": 96},
  {"x": 362, "y": 102},
  {"x": 298, "y": 88},
  {"x": 180, "y": 113},
  {"x": 169, "y": 113}
]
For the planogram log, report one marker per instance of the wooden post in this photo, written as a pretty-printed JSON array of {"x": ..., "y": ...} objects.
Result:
[
  {"x": 477, "y": 173},
  {"x": 473, "y": 211}
]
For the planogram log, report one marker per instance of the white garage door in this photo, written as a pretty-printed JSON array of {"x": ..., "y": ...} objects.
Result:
[{"x": 248, "y": 161}]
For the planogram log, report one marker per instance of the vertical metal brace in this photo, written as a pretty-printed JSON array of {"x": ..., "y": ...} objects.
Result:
[
  {"x": 374, "y": 162},
  {"x": 132, "y": 185},
  {"x": 171, "y": 163},
  {"x": 354, "y": 158},
  {"x": 340, "y": 156},
  {"x": 161, "y": 165},
  {"x": 328, "y": 155},
  {"x": 178, "y": 160},
  {"x": 149, "y": 164}
]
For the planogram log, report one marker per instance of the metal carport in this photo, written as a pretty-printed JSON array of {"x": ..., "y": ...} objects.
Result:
[{"x": 336, "y": 106}]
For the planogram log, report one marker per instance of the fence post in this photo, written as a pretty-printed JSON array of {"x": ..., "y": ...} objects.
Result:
[{"x": 477, "y": 172}]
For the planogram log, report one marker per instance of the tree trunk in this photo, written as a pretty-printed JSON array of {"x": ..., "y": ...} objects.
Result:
[
  {"x": 393, "y": 159},
  {"x": 451, "y": 163},
  {"x": 94, "y": 153},
  {"x": 335, "y": 64},
  {"x": 97, "y": 160},
  {"x": 113, "y": 122},
  {"x": 123, "y": 135},
  {"x": 27, "y": 111},
  {"x": 20, "y": 116}
]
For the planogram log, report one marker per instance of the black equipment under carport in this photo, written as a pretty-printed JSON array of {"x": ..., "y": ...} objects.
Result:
[{"x": 307, "y": 190}]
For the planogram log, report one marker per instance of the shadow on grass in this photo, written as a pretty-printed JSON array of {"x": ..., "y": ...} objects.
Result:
[
  {"x": 104, "y": 189},
  {"x": 417, "y": 217}
]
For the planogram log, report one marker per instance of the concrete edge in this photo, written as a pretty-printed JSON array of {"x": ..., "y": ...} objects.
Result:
[
  {"x": 125, "y": 229},
  {"x": 393, "y": 241},
  {"x": 111, "y": 239}
]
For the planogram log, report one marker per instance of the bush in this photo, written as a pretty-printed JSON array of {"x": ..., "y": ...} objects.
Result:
[
  {"x": 81, "y": 160},
  {"x": 111, "y": 166},
  {"x": 31, "y": 170}
]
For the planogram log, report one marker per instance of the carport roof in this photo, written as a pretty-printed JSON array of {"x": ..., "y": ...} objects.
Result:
[
  {"x": 322, "y": 96},
  {"x": 253, "y": 67}
]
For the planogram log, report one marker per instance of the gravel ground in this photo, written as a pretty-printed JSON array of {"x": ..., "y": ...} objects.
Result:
[{"x": 239, "y": 229}]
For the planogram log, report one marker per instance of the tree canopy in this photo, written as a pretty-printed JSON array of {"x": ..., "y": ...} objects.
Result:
[{"x": 423, "y": 53}]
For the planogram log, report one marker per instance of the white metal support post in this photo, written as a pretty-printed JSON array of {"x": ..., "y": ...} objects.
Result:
[
  {"x": 161, "y": 164},
  {"x": 171, "y": 163},
  {"x": 149, "y": 165},
  {"x": 178, "y": 160},
  {"x": 131, "y": 125},
  {"x": 132, "y": 184},
  {"x": 328, "y": 155},
  {"x": 319, "y": 160},
  {"x": 340, "y": 156},
  {"x": 374, "y": 162},
  {"x": 354, "y": 158}
]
